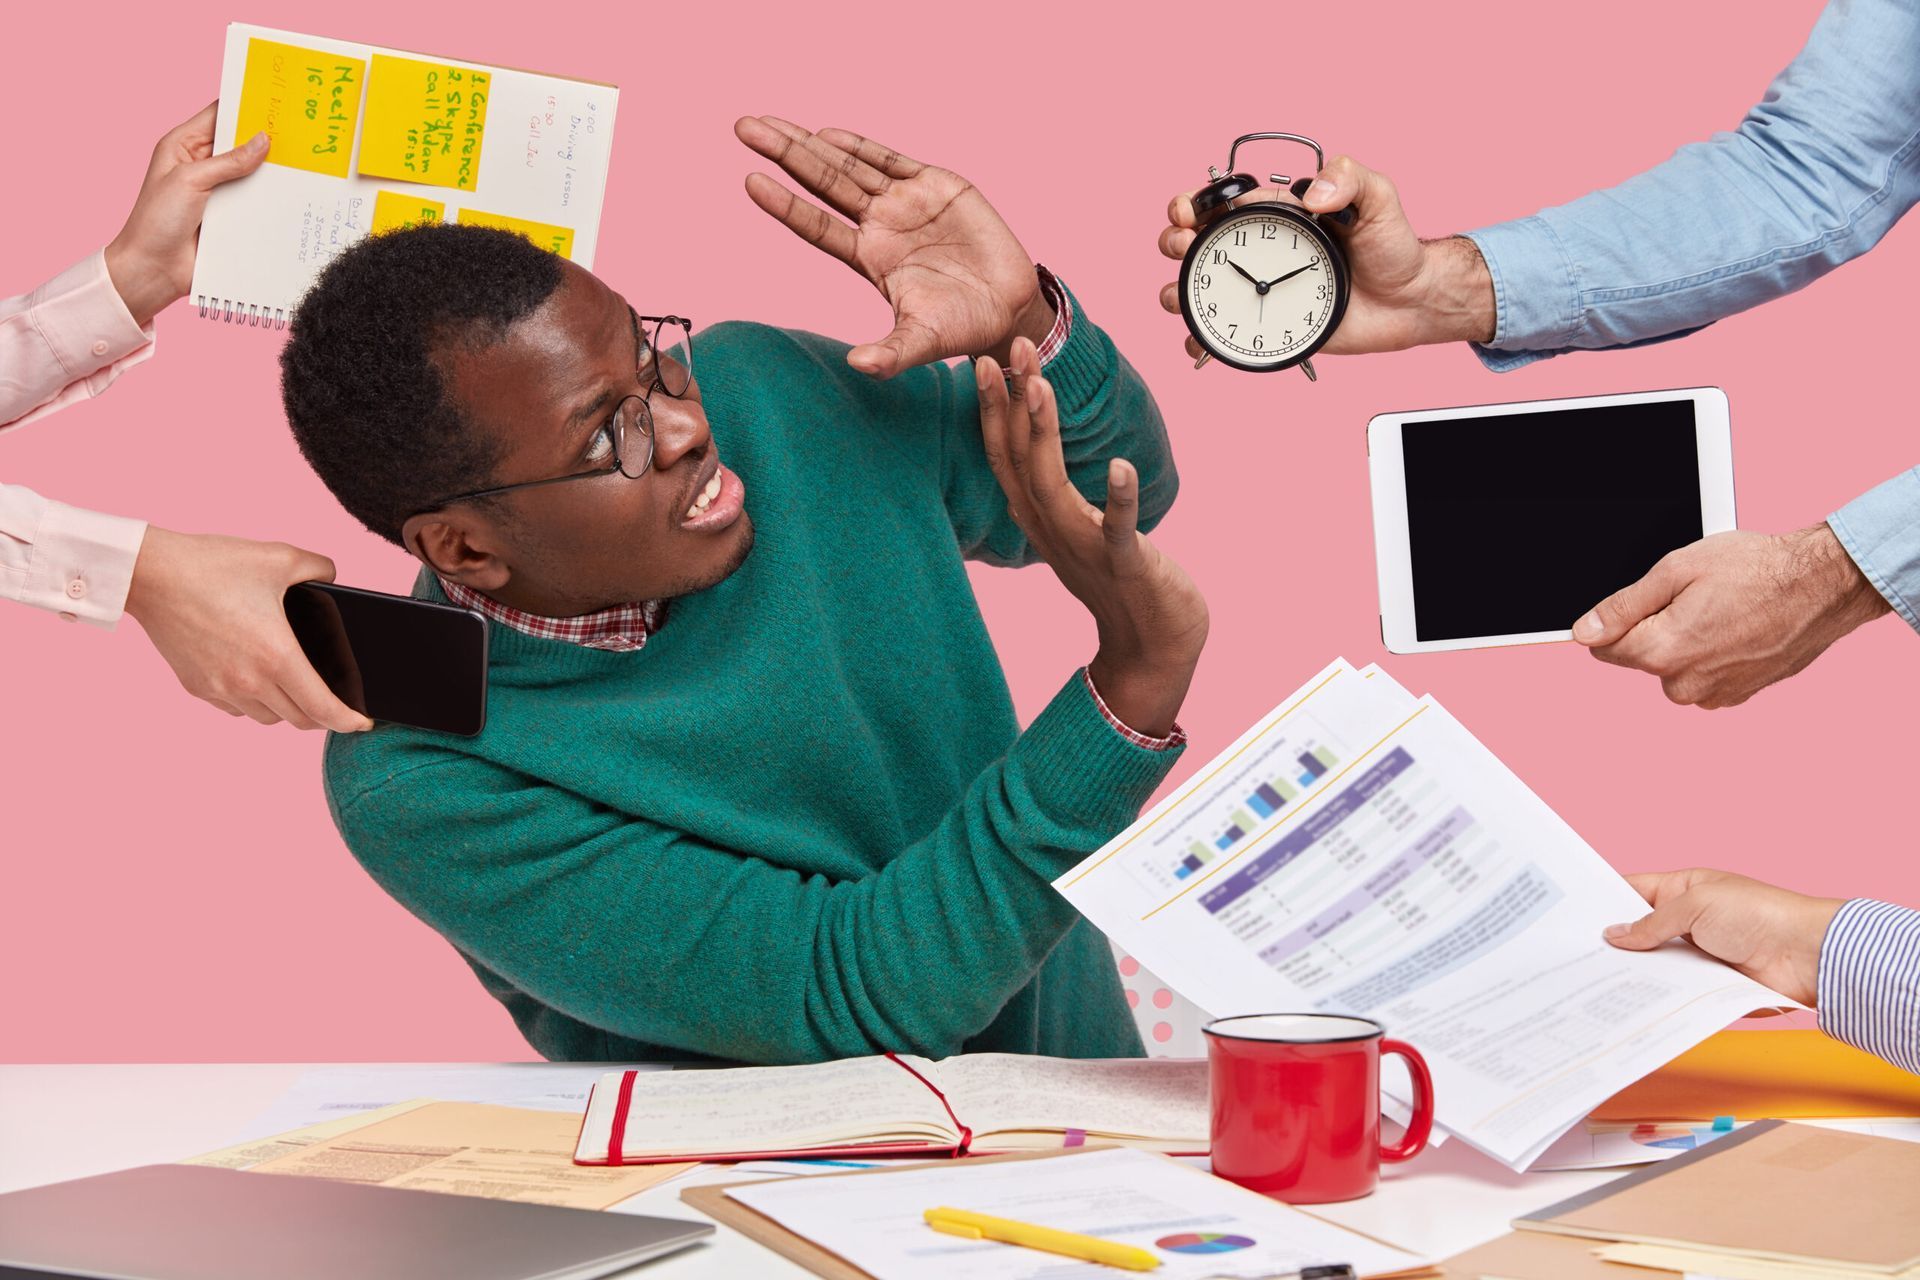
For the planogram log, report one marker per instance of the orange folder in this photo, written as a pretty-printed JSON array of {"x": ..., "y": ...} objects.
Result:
[{"x": 1750, "y": 1075}]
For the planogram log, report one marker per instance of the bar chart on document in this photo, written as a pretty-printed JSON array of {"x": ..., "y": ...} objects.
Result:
[
  {"x": 1287, "y": 766},
  {"x": 1217, "y": 843},
  {"x": 1424, "y": 866},
  {"x": 1329, "y": 903}
]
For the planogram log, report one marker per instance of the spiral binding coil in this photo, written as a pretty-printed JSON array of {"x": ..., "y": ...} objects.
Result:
[{"x": 240, "y": 313}]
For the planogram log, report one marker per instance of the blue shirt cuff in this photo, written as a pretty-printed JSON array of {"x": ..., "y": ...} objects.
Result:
[
  {"x": 1881, "y": 531},
  {"x": 1536, "y": 294},
  {"x": 1869, "y": 982}
]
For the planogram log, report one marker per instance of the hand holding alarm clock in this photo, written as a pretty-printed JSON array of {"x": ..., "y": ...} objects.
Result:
[
  {"x": 1264, "y": 284},
  {"x": 1255, "y": 298}
]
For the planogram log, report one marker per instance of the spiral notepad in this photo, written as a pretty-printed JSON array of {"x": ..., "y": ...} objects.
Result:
[{"x": 368, "y": 139}]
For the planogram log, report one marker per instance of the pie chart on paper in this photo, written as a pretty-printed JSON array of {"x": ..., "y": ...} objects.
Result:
[{"x": 1203, "y": 1242}]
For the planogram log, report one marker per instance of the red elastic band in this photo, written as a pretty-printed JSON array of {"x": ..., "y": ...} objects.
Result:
[
  {"x": 619, "y": 1132},
  {"x": 966, "y": 1134}
]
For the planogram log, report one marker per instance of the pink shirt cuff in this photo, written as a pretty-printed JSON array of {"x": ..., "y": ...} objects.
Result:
[
  {"x": 1177, "y": 738},
  {"x": 67, "y": 340},
  {"x": 72, "y": 562}
]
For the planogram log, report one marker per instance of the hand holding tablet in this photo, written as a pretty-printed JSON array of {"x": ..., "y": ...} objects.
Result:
[
  {"x": 1721, "y": 619},
  {"x": 1502, "y": 524}
]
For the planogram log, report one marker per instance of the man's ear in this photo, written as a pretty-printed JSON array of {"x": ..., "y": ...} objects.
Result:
[{"x": 459, "y": 546}]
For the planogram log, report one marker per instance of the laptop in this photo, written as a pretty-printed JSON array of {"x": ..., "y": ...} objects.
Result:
[{"x": 188, "y": 1222}]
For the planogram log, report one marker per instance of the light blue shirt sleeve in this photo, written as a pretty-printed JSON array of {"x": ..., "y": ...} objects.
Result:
[
  {"x": 1881, "y": 531},
  {"x": 1815, "y": 175},
  {"x": 1869, "y": 981}
]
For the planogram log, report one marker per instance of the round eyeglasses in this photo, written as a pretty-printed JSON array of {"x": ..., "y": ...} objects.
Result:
[{"x": 630, "y": 428}]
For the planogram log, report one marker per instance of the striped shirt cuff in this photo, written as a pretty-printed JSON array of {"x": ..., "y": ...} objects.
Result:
[{"x": 1869, "y": 984}]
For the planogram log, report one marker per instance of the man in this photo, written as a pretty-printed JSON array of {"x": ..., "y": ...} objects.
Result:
[
  {"x": 1816, "y": 174},
  {"x": 751, "y": 787}
]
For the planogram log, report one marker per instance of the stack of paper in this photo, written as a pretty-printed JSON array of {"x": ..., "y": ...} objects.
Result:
[
  {"x": 1358, "y": 851},
  {"x": 1777, "y": 1201},
  {"x": 463, "y": 1148},
  {"x": 1735, "y": 1077}
]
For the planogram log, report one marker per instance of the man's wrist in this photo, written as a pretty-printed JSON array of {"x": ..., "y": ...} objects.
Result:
[
  {"x": 1144, "y": 695},
  {"x": 1033, "y": 321},
  {"x": 1458, "y": 303},
  {"x": 1037, "y": 318},
  {"x": 1844, "y": 593}
]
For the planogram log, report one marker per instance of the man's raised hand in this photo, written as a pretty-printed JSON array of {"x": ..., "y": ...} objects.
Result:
[
  {"x": 1151, "y": 619},
  {"x": 958, "y": 280}
]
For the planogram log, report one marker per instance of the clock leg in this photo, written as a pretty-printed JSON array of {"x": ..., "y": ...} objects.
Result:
[
  {"x": 1306, "y": 367},
  {"x": 1204, "y": 357}
]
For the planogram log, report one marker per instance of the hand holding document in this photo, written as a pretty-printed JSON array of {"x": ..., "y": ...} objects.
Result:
[{"x": 1358, "y": 851}]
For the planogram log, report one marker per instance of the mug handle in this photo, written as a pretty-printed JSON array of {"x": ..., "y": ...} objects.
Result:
[{"x": 1420, "y": 1126}]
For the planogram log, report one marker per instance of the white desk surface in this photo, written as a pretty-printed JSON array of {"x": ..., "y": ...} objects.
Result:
[{"x": 59, "y": 1122}]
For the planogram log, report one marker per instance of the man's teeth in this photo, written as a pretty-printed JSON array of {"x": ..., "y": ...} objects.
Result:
[{"x": 707, "y": 495}]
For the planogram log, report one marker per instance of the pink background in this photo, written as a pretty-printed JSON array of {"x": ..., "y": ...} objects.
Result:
[{"x": 173, "y": 887}]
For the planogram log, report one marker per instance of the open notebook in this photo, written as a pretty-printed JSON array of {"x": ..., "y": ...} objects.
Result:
[
  {"x": 365, "y": 138},
  {"x": 896, "y": 1105}
]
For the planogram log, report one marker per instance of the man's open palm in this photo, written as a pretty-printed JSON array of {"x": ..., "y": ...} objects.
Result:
[{"x": 959, "y": 281}]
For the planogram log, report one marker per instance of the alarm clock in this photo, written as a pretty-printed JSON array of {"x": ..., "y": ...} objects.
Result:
[{"x": 1264, "y": 284}]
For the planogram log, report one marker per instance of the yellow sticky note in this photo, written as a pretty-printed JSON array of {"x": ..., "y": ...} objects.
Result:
[
  {"x": 554, "y": 239},
  {"x": 306, "y": 101},
  {"x": 425, "y": 122},
  {"x": 392, "y": 211}
]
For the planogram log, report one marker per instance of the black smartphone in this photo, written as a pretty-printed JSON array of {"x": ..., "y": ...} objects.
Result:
[{"x": 413, "y": 662}]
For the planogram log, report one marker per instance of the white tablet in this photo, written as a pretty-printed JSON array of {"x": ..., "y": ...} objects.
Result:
[{"x": 1503, "y": 523}]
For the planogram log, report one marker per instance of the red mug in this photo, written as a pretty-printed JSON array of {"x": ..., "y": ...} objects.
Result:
[{"x": 1296, "y": 1104}]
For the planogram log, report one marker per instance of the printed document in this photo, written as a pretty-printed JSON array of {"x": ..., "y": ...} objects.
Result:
[
  {"x": 1358, "y": 851},
  {"x": 474, "y": 1149},
  {"x": 1197, "y": 1225}
]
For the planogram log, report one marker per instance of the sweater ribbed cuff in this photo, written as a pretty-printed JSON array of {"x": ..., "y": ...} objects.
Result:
[
  {"x": 1083, "y": 370},
  {"x": 1084, "y": 772}
]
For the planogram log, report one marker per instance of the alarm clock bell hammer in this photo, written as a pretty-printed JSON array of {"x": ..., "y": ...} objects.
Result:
[{"x": 1218, "y": 196}]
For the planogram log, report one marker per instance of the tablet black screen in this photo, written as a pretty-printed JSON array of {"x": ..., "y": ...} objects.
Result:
[{"x": 1524, "y": 521}]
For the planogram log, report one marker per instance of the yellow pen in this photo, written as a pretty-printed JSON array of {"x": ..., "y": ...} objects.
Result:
[{"x": 980, "y": 1226}]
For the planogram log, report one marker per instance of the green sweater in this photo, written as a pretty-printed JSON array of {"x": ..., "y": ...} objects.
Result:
[{"x": 801, "y": 823}]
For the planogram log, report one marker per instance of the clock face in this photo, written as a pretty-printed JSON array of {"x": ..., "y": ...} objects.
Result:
[{"x": 1260, "y": 290}]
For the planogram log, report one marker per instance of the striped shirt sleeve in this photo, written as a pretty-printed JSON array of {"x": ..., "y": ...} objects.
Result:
[{"x": 1869, "y": 981}]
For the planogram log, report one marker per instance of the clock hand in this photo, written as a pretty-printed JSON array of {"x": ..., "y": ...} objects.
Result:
[
  {"x": 1243, "y": 271},
  {"x": 1291, "y": 274}
]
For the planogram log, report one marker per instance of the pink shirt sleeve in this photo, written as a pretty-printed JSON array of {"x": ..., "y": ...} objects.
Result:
[{"x": 67, "y": 340}]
